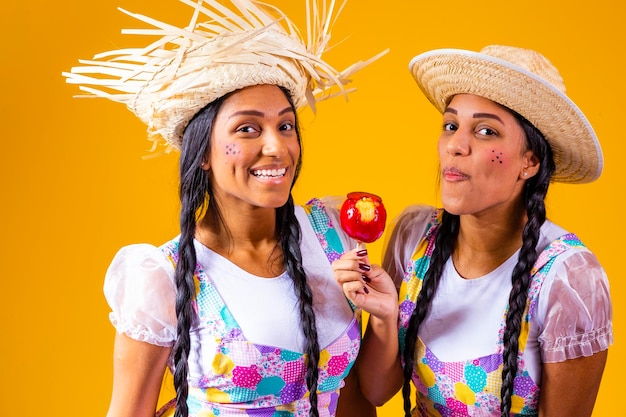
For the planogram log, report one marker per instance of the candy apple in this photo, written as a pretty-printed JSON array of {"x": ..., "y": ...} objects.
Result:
[{"x": 363, "y": 216}]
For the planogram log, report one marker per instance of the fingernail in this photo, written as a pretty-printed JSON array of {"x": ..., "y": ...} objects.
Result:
[
  {"x": 362, "y": 252},
  {"x": 366, "y": 290},
  {"x": 366, "y": 279},
  {"x": 364, "y": 267}
]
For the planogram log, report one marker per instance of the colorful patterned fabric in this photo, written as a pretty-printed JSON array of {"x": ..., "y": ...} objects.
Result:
[
  {"x": 324, "y": 229},
  {"x": 471, "y": 387},
  {"x": 246, "y": 379}
]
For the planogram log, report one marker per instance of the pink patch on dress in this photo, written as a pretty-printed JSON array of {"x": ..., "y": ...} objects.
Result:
[
  {"x": 293, "y": 371},
  {"x": 337, "y": 364},
  {"x": 247, "y": 377},
  {"x": 457, "y": 406}
]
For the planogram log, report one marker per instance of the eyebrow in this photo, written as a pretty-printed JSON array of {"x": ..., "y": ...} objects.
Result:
[
  {"x": 476, "y": 115},
  {"x": 259, "y": 113},
  {"x": 488, "y": 116}
]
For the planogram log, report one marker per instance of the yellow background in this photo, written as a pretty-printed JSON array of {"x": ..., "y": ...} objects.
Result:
[{"x": 75, "y": 186}]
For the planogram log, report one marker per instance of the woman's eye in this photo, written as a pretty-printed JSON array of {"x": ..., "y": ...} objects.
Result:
[
  {"x": 246, "y": 129},
  {"x": 286, "y": 126},
  {"x": 485, "y": 131},
  {"x": 449, "y": 126}
]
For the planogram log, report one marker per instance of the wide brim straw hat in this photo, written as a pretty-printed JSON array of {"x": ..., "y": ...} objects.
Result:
[
  {"x": 227, "y": 46},
  {"x": 524, "y": 81}
]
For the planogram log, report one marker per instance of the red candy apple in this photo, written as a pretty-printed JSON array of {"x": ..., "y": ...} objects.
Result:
[{"x": 363, "y": 216}]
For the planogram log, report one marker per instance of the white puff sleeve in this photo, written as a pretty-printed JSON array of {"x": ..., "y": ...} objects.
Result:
[
  {"x": 139, "y": 287},
  {"x": 575, "y": 309}
]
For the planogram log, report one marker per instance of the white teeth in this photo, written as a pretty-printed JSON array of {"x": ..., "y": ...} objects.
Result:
[{"x": 269, "y": 173}]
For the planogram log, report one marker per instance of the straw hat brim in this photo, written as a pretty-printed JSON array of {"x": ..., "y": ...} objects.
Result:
[{"x": 443, "y": 73}]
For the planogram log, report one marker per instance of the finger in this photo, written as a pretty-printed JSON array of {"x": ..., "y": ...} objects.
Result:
[
  {"x": 348, "y": 265},
  {"x": 356, "y": 293},
  {"x": 343, "y": 277}
]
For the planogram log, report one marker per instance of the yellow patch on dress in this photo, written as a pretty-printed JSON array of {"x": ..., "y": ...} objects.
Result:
[
  {"x": 464, "y": 393},
  {"x": 324, "y": 358},
  {"x": 214, "y": 395},
  {"x": 517, "y": 403},
  {"x": 222, "y": 364},
  {"x": 426, "y": 374}
]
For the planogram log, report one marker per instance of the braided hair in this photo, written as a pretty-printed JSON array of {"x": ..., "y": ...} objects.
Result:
[
  {"x": 536, "y": 189},
  {"x": 196, "y": 199}
]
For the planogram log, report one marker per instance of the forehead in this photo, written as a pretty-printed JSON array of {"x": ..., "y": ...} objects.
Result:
[
  {"x": 258, "y": 97},
  {"x": 471, "y": 106},
  {"x": 473, "y": 101}
]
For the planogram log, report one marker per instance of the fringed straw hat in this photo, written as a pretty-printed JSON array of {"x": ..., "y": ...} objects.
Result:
[
  {"x": 526, "y": 82},
  {"x": 222, "y": 49}
]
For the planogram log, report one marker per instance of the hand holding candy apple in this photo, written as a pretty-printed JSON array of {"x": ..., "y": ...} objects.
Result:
[{"x": 363, "y": 217}]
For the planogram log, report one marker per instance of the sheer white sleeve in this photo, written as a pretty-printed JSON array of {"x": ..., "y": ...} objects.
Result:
[
  {"x": 139, "y": 287},
  {"x": 407, "y": 230},
  {"x": 575, "y": 309}
]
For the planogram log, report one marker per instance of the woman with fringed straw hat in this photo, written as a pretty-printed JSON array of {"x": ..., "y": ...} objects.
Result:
[
  {"x": 486, "y": 306},
  {"x": 242, "y": 305}
]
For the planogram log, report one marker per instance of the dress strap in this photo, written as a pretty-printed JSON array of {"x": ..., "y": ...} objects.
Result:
[
  {"x": 544, "y": 262},
  {"x": 207, "y": 301},
  {"x": 324, "y": 229},
  {"x": 327, "y": 236},
  {"x": 555, "y": 248},
  {"x": 538, "y": 274}
]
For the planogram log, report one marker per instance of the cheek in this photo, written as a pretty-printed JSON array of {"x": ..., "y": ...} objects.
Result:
[
  {"x": 230, "y": 150},
  {"x": 293, "y": 148},
  {"x": 496, "y": 157},
  {"x": 441, "y": 147}
]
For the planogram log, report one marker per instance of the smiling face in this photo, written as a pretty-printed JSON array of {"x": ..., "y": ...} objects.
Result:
[
  {"x": 483, "y": 157},
  {"x": 254, "y": 149}
]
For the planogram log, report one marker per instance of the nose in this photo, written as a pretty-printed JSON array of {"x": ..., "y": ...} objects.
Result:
[
  {"x": 273, "y": 143},
  {"x": 458, "y": 143}
]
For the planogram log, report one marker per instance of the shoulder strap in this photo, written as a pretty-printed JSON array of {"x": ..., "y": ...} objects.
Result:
[
  {"x": 327, "y": 236},
  {"x": 424, "y": 250},
  {"x": 170, "y": 250},
  {"x": 544, "y": 262},
  {"x": 324, "y": 229},
  {"x": 555, "y": 248}
]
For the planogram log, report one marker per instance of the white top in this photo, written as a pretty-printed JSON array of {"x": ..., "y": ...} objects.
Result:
[
  {"x": 573, "y": 316},
  {"x": 139, "y": 287}
]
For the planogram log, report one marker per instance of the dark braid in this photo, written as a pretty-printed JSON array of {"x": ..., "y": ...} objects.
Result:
[
  {"x": 288, "y": 231},
  {"x": 534, "y": 197},
  {"x": 194, "y": 192},
  {"x": 290, "y": 240},
  {"x": 444, "y": 246}
]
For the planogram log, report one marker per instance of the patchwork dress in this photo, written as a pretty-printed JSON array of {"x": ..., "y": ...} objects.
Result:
[
  {"x": 460, "y": 386},
  {"x": 231, "y": 375}
]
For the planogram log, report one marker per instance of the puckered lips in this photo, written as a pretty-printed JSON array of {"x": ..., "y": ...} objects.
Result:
[{"x": 453, "y": 174}]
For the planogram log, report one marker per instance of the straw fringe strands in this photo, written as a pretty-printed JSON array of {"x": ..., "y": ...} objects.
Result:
[{"x": 222, "y": 49}]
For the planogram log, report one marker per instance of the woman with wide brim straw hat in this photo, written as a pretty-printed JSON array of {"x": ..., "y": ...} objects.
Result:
[
  {"x": 500, "y": 312},
  {"x": 242, "y": 305}
]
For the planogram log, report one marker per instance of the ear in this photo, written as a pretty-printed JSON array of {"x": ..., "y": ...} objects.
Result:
[
  {"x": 530, "y": 165},
  {"x": 205, "y": 162}
]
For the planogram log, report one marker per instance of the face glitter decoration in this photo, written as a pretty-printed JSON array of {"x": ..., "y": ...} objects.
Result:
[
  {"x": 497, "y": 156},
  {"x": 231, "y": 149}
]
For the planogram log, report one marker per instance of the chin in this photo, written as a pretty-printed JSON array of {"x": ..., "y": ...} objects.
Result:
[
  {"x": 456, "y": 209},
  {"x": 276, "y": 202}
]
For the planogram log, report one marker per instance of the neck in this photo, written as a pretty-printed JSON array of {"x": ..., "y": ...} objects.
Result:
[
  {"x": 485, "y": 242},
  {"x": 247, "y": 239}
]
